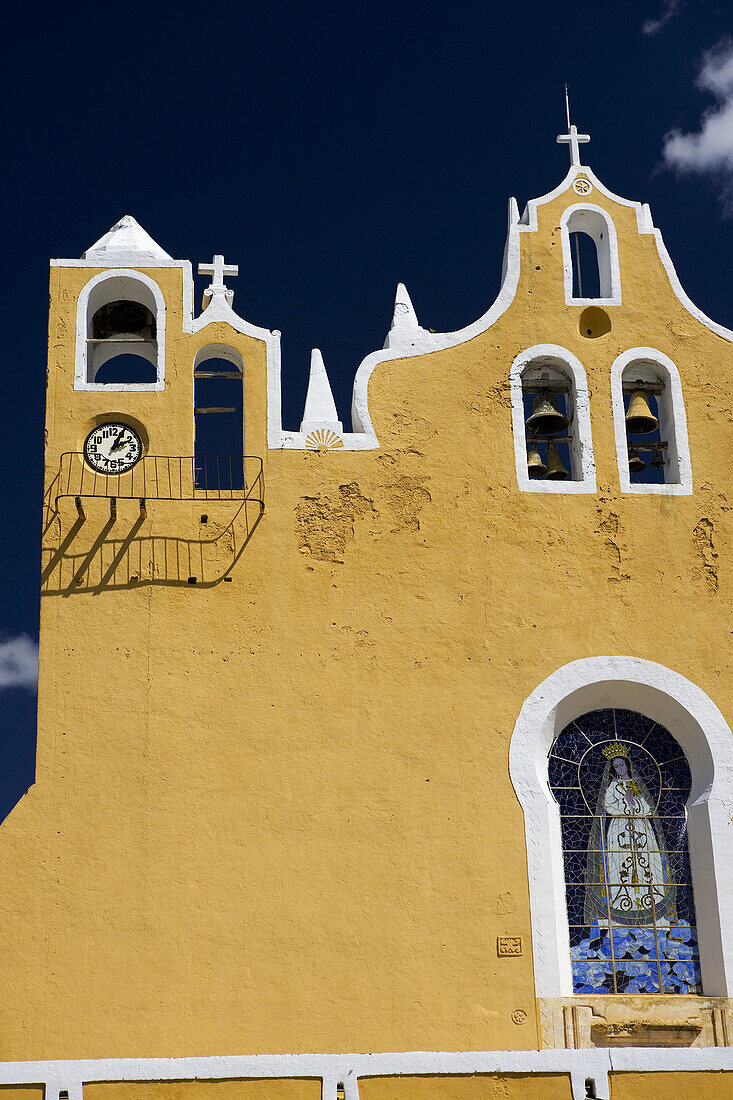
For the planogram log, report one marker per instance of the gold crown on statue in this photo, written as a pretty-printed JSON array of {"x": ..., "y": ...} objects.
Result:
[{"x": 614, "y": 750}]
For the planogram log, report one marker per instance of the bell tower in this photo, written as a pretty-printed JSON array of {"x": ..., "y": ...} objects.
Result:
[{"x": 391, "y": 761}]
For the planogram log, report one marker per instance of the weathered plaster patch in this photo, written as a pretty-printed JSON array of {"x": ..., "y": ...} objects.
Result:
[
  {"x": 324, "y": 524},
  {"x": 702, "y": 537},
  {"x": 406, "y": 498},
  {"x": 608, "y": 527},
  {"x": 505, "y": 904}
]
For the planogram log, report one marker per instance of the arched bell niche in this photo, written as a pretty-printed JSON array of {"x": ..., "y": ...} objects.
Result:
[
  {"x": 551, "y": 421},
  {"x": 650, "y": 424},
  {"x": 218, "y": 418},
  {"x": 120, "y": 333}
]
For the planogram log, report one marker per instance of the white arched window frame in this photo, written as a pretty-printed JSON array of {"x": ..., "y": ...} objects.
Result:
[
  {"x": 700, "y": 729},
  {"x": 653, "y": 366},
  {"x": 593, "y": 220},
  {"x": 107, "y": 287},
  {"x": 583, "y": 472}
]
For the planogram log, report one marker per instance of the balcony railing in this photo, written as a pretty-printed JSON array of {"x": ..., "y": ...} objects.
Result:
[{"x": 166, "y": 477}]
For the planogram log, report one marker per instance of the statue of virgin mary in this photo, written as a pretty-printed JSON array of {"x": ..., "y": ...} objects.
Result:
[{"x": 628, "y": 881}]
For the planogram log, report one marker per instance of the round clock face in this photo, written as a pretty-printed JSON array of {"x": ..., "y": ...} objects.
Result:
[{"x": 112, "y": 448}]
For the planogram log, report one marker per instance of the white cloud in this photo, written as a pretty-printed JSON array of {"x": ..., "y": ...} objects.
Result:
[
  {"x": 19, "y": 663},
  {"x": 669, "y": 10},
  {"x": 710, "y": 150}
]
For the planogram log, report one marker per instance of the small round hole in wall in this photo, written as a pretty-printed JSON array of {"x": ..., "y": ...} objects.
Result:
[{"x": 594, "y": 322}]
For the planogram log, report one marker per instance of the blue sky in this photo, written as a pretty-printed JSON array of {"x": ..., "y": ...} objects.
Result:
[{"x": 330, "y": 150}]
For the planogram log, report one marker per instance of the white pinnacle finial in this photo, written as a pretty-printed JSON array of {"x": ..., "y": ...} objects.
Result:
[
  {"x": 218, "y": 269},
  {"x": 127, "y": 244},
  {"x": 320, "y": 407},
  {"x": 404, "y": 315},
  {"x": 573, "y": 139}
]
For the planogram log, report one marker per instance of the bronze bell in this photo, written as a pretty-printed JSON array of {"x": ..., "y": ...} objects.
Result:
[
  {"x": 555, "y": 469},
  {"x": 546, "y": 418},
  {"x": 639, "y": 418},
  {"x": 657, "y": 457},
  {"x": 535, "y": 465},
  {"x": 636, "y": 462}
]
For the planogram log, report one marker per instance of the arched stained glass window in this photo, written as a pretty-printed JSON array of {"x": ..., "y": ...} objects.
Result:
[{"x": 622, "y": 783}]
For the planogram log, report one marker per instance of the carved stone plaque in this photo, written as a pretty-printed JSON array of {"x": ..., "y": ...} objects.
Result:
[{"x": 508, "y": 946}]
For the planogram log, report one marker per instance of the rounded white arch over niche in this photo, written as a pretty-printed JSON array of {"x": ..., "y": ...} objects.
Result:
[
  {"x": 699, "y": 727},
  {"x": 107, "y": 287},
  {"x": 672, "y": 421},
  {"x": 586, "y": 217},
  {"x": 582, "y": 447}
]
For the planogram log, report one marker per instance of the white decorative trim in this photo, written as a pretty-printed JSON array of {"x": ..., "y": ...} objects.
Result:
[
  {"x": 82, "y": 333},
  {"x": 363, "y": 436},
  {"x": 361, "y": 420},
  {"x": 578, "y": 402},
  {"x": 219, "y": 351},
  {"x": 699, "y": 727},
  {"x": 673, "y": 423},
  {"x": 591, "y": 219},
  {"x": 97, "y": 263},
  {"x": 220, "y": 309},
  {"x": 595, "y": 1064}
]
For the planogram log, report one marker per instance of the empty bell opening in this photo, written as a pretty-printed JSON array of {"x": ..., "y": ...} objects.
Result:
[
  {"x": 640, "y": 420},
  {"x": 123, "y": 318},
  {"x": 636, "y": 462},
  {"x": 555, "y": 469},
  {"x": 546, "y": 418},
  {"x": 535, "y": 465}
]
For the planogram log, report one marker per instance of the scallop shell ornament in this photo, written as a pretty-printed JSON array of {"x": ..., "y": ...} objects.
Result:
[{"x": 323, "y": 440}]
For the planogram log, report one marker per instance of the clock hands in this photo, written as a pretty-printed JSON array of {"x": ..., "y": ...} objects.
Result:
[{"x": 117, "y": 445}]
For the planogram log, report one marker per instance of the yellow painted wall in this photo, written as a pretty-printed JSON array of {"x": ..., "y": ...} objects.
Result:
[
  {"x": 275, "y": 814},
  {"x": 272, "y": 1088},
  {"x": 672, "y": 1086},
  {"x": 487, "y": 1086}
]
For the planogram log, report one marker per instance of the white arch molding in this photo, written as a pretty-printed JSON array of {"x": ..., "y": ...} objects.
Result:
[
  {"x": 586, "y": 217},
  {"x": 117, "y": 277},
  {"x": 699, "y": 727}
]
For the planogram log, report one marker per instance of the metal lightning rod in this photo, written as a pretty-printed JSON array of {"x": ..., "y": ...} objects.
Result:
[{"x": 577, "y": 248}]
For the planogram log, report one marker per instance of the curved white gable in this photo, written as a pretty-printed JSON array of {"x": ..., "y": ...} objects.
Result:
[{"x": 364, "y": 436}]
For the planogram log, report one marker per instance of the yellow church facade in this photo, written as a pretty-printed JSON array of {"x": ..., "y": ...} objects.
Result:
[{"x": 386, "y": 763}]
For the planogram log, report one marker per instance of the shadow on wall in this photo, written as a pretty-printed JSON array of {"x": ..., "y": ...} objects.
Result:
[
  {"x": 98, "y": 534},
  {"x": 117, "y": 560}
]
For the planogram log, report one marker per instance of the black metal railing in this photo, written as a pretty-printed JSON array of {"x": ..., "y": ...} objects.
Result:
[{"x": 166, "y": 477}]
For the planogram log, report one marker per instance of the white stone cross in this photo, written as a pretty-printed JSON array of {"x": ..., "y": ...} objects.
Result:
[
  {"x": 218, "y": 269},
  {"x": 573, "y": 139}
]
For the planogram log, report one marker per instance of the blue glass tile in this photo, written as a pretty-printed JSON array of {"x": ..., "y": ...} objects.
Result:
[{"x": 631, "y": 957}]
